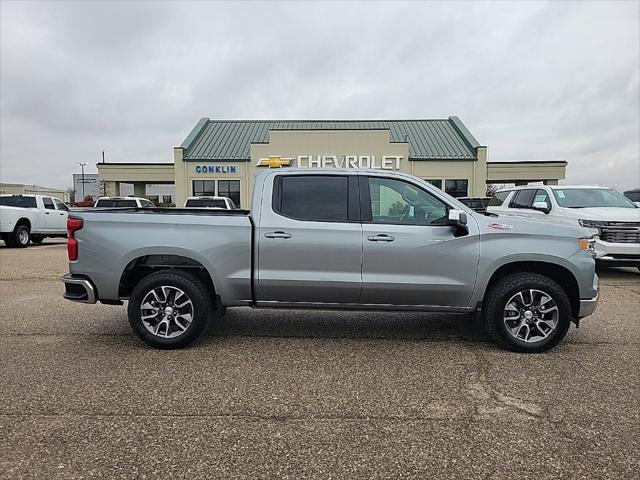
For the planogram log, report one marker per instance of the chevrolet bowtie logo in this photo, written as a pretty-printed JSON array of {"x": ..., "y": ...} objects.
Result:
[{"x": 275, "y": 161}]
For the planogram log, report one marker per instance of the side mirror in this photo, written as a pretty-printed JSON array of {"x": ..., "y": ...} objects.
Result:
[
  {"x": 458, "y": 220},
  {"x": 541, "y": 207}
]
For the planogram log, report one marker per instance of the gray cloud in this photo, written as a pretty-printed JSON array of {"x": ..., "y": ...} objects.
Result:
[{"x": 532, "y": 80}]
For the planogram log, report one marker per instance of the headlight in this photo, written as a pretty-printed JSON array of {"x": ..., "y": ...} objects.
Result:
[
  {"x": 588, "y": 244},
  {"x": 592, "y": 223}
]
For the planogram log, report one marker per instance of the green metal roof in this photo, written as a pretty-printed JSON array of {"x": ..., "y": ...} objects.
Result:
[{"x": 428, "y": 139}]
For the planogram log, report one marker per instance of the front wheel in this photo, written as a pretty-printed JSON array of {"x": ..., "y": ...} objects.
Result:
[
  {"x": 169, "y": 309},
  {"x": 527, "y": 312}
]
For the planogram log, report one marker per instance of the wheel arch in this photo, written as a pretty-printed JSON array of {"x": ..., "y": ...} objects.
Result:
[
  {"x": 144, "y": 265},
  {"x": 558, "y": 273},
  {"x": 23, "y": 221}
]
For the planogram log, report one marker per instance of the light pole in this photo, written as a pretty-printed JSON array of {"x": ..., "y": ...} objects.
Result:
[{"x": 82, "y": 165}]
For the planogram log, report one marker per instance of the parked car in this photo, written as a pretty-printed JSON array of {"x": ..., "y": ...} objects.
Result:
[
  {"x": 633, "y": 195},
  {"x": 123, "y": 202},
  {"x": 339, "y": 239},
  {"x": 31, "y": 218},
  {"x": 478, "y": 204},
  {"x": 210, "y": 202},
  {"x": 613, "y": 218}
]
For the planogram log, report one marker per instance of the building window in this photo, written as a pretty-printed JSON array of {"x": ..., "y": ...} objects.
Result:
[
  {"x": 204, "y": 188},
  {"x": 456, "y": 188},
  {"x": 435, "y": 182},
  {"x": 154, "y": 198},
  {"x": 166, "y": 199},
  {"x": 230, "y": 189}
]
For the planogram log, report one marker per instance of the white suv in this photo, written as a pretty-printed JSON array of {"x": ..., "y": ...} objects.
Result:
[
  {"x": 216, "y": 203},
  {"x": 613, "y": 218},
  {"x": 123, "y": 202}
]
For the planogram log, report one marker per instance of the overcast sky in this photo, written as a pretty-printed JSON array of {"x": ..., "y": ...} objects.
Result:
[{"x": 532, "y": 81}]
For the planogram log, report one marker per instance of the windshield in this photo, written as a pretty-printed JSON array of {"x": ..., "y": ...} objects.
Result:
[
  {"x": 24, "y": 202},
  {"x": 591, "y": 197}
]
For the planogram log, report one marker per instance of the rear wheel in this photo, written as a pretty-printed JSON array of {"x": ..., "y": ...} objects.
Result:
[
  {"x": 37, "y": 239},
  {"x": 169, "y": 309},
  {"x": 527, "y": 312},
  {"x": 20, "y": 237}
]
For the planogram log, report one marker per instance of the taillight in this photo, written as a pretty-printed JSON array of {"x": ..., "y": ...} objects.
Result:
[{"x": 73, "y": 225}]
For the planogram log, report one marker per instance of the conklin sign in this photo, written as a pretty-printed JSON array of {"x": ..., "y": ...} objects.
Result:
[
  {"x": 384, "y": 162},
  {"x": 215, "y": 169}
]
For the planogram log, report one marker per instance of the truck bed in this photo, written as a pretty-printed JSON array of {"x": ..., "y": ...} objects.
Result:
[
  {"x": 112, "y": 240},
  {"x": 165, "y": 210}
]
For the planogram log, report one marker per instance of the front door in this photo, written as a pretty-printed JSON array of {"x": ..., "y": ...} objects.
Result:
[
  {"x": 309, "y": 240},
  {"x": 410, "y": 254}
]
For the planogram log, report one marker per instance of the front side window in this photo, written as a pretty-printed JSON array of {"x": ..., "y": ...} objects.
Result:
[
  {"x": 229, "y": 189},
  {"x": 48, "y": 203},
  {"x": 401, "y": 203},
  {"x": 204, "y": 188},
  {"x": 591, "y": 197},
  {"x": 313, "y": 197},
  {"x": 60, "y": 205},
  {"x": 523, "y": 199},
  {"x": 456, "y": 188},
  {"x": 542, "y": 196}
]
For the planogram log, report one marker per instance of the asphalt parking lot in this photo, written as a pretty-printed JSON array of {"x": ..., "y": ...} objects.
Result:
[{"x": 273, "y": 394}]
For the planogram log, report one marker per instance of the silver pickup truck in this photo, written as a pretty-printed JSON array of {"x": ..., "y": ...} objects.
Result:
[{"x": 334, "y": 239}]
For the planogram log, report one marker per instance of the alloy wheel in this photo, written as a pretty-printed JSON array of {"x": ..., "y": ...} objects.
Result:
[
  {"x": 531, "y": 315},
  {"x": 166, "y": 311}
]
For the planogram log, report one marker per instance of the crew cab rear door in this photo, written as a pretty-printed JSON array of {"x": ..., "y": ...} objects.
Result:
[
  {"x": 411, "y": 257},
  {"x": 309, "y": 240}
]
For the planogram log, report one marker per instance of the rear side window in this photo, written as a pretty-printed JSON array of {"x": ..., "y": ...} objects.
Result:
[
  {"x": 23, "y": 202},
  {"x": 498, "y": 199},
  {"x": 523, "y": 199},
  {"x": 312, "y": 197},
  {"x": 48, "y": 203}
]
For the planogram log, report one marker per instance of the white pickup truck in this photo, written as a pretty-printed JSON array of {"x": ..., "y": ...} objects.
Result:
[{"x": 31, "y": 218}]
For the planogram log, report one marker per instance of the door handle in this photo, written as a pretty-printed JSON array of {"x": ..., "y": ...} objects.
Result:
[
  {"x": 277, "y": 235},
  {"x": 382, "y": 237},
  {"x": 46, "y": 213}
]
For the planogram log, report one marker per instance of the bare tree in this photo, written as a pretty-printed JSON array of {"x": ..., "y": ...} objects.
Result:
[{"x": 491, "y": 190}]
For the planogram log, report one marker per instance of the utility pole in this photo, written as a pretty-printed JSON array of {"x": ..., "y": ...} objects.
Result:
[
  {"x": 82, "y": 165},
  {"x": 102, "y": 156}
]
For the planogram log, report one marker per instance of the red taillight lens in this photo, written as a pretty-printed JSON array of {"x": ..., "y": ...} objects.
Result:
[{"x": 73, "y": 225}]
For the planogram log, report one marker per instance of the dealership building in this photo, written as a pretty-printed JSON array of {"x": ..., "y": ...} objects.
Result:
[{"x": 221, "y": 157}]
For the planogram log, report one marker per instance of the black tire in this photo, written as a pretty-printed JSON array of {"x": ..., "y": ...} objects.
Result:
[
  {"x": 37, "y": 239},
  {"x": 21, "y": 237},
  {"x": 503, "y": 290},
  {"x": 195, "y": 291}
]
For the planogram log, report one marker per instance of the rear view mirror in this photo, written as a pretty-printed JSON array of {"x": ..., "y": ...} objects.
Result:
[
  {"x": 541, "y": 207},
  {"x": 458, "y": 220}
]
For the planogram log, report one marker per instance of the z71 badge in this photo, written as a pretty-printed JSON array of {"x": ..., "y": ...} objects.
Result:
[{"x": 498, "y": 226}]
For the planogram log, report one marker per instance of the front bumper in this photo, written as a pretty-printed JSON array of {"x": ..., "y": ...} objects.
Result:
[
  {"x": 588, "y": 306},
  {"x": 621, "y": 254},
  {"x": 78, "y": 289}
]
